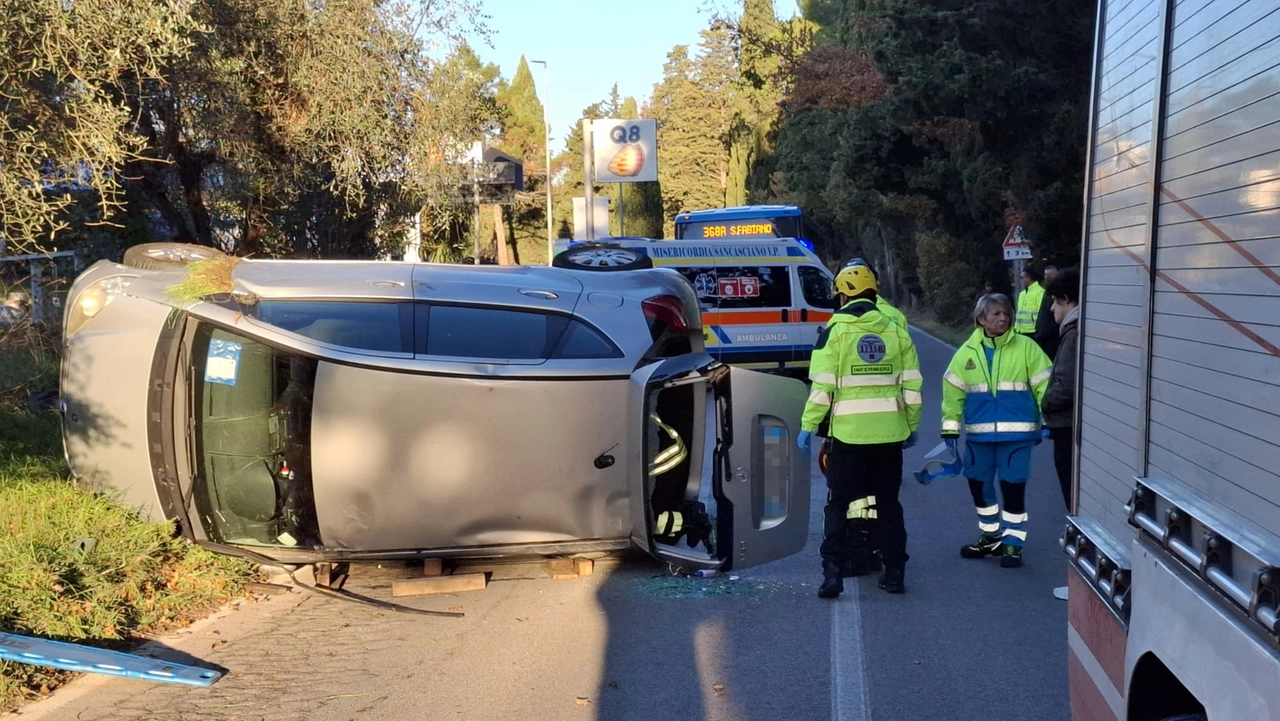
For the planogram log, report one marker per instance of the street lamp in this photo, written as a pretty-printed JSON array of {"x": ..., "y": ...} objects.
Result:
[{"x": 546, "y": 124}]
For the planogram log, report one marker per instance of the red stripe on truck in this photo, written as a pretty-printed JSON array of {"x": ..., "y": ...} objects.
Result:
[
  {"x": 1087, "y": 703},
  {"x": 1099, "y": 630}
]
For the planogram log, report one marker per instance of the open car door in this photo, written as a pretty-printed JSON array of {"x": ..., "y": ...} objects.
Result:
[{"x": 717, "y": 481}]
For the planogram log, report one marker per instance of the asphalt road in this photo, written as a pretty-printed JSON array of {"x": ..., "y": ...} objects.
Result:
[{"x": 968, "y": 640}]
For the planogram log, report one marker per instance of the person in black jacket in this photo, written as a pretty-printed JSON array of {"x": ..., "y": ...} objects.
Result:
[
  {"x": 1046, "y": 334},
  {"x": 1059, "y": 404}
]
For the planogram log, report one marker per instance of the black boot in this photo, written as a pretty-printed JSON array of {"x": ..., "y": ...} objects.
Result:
[
  {"x": 832, "y": 584},
  {"x": 862, "y": 562},
  {"x": 988, "y": 544},
  {"x": 893, "y": 579}
]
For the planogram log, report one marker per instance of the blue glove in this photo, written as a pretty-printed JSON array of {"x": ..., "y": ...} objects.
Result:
[
  {"x": 1044, "y": 433},
  {"x": 802, "y": 440},
  {"x": 953, "y": 445},
  {"x": 911, "y": 440}
]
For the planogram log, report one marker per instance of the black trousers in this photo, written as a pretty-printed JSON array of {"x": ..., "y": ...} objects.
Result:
[
  {"x": 860, "y": 473},
  {"x": 1063, "y": 459}
]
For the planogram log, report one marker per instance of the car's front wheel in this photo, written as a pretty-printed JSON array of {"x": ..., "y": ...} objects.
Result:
[
  {"x": 601, "y": 257},
  {"x": 168, "y": 256}
]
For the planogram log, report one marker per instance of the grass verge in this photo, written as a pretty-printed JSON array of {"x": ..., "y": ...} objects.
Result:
[
  {"x": 136, "y": 579},
  {"x": 924, "y": 320}
]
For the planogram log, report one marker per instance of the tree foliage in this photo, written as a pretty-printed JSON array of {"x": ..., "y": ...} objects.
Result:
[
  {"x": 717, "y": 109},
  {"x": 289, "y": 127},
  {"x": 919, "y": 129},
  {"x": 641, "y": 203},
  {"x": 694, "y": 108},
  {"x": 523, "y": 128},
  {"x": 62, "y": 67}
]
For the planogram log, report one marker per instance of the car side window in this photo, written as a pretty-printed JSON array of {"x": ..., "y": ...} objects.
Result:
[
  {"x": 581, "y": 341},
  {"x": 507, "y": 334},
  {"x": 376, "y": 325},
  {"x": 816, "y": 287}
]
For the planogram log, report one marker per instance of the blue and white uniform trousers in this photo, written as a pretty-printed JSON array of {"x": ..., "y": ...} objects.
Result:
[{"x": 1010, "y": 463}]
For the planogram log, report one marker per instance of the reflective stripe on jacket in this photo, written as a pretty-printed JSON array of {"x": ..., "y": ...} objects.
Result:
[
  {"x": 1000, "y": 403},
  {"x": 1029, "y": 301},
  {"x": 865, "y": 372},
  {"x": 893, "y": 314}
]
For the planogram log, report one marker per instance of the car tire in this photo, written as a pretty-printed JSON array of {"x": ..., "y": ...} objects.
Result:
[
  {"x": 168, "y": 256},
  {"x": 601, "y": 257}
]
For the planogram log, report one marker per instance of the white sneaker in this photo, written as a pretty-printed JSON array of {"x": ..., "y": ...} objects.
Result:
[{"x": 1060, "y": 593}]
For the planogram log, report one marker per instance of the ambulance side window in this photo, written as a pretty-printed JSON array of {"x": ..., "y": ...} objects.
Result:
[
  {"x": 816, "y": 287},
  {"x": 703, "y": 280},
  {"x": 753, "y": 286}
]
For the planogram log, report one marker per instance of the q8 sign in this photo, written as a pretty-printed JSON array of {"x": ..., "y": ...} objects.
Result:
[{"x": 626, "y": 151}]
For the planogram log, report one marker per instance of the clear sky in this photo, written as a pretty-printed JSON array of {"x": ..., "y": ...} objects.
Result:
[{"x": 591, "y": 44}]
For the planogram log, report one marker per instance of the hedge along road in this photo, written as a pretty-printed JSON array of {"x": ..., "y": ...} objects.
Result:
[{"x": 968, "y": 640}]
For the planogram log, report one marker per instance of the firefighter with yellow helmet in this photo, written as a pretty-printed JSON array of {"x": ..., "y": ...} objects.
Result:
[
  {"x": 882, "y": 305},
  {"x": 866, "y": 375}
]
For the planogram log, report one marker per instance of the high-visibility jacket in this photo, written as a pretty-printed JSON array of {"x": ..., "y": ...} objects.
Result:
[
  {"x": 866, "y": 374},
  {"x": 1029, "y": 301},
  {"x": 894, "y": 314},
  {"x": 996, "y": 400}
]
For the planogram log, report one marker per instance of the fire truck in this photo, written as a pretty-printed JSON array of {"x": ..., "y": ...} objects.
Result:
[{"x": 1174, "y": 587}]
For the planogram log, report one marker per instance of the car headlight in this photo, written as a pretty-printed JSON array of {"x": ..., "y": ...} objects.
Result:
[{"x": 92, "y": 300}]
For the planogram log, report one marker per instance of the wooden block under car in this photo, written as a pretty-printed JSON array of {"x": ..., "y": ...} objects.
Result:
[
  {"x": 561, "y": 569},
  {"x": 438, "y": 584},
  {"x": 584, "y": 566},
  {"x": 433, "y": 567}
]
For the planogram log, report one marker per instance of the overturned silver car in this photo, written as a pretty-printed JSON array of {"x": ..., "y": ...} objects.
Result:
[{"x": 366, "y": 410}]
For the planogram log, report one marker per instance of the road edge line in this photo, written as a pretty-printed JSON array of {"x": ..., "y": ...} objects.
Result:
[{"x": 927, "y": 334}]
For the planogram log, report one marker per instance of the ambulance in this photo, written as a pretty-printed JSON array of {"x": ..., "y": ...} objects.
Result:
[{"x": 762, "y": 301}]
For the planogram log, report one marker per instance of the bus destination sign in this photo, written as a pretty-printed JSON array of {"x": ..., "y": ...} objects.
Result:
[{"x": 745, "y": 229}]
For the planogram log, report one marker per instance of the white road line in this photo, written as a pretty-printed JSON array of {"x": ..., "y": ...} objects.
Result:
[{"x": 849, "y": 699}]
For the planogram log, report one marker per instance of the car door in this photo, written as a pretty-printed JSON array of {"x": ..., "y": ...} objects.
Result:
[{"x": 737, "y": 428}]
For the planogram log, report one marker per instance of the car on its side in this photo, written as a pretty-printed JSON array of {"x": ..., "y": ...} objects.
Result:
[{"x": 368, "y": 410}]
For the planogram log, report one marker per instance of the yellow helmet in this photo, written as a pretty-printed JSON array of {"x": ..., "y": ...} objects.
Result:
[{"x": 854, "y": 280}]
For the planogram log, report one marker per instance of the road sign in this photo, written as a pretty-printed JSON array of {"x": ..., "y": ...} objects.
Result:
[
  {"x": 1015, "y": 245},
  {"x": 625, "y": 151}
]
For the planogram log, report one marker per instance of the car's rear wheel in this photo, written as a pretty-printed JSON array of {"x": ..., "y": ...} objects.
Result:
[
  {"x": 601, "y": 257},
  {"x": 168, "y": 256}
]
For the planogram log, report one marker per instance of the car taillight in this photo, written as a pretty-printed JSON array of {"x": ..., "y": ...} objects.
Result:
[{"x": 665, "y": 313}]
